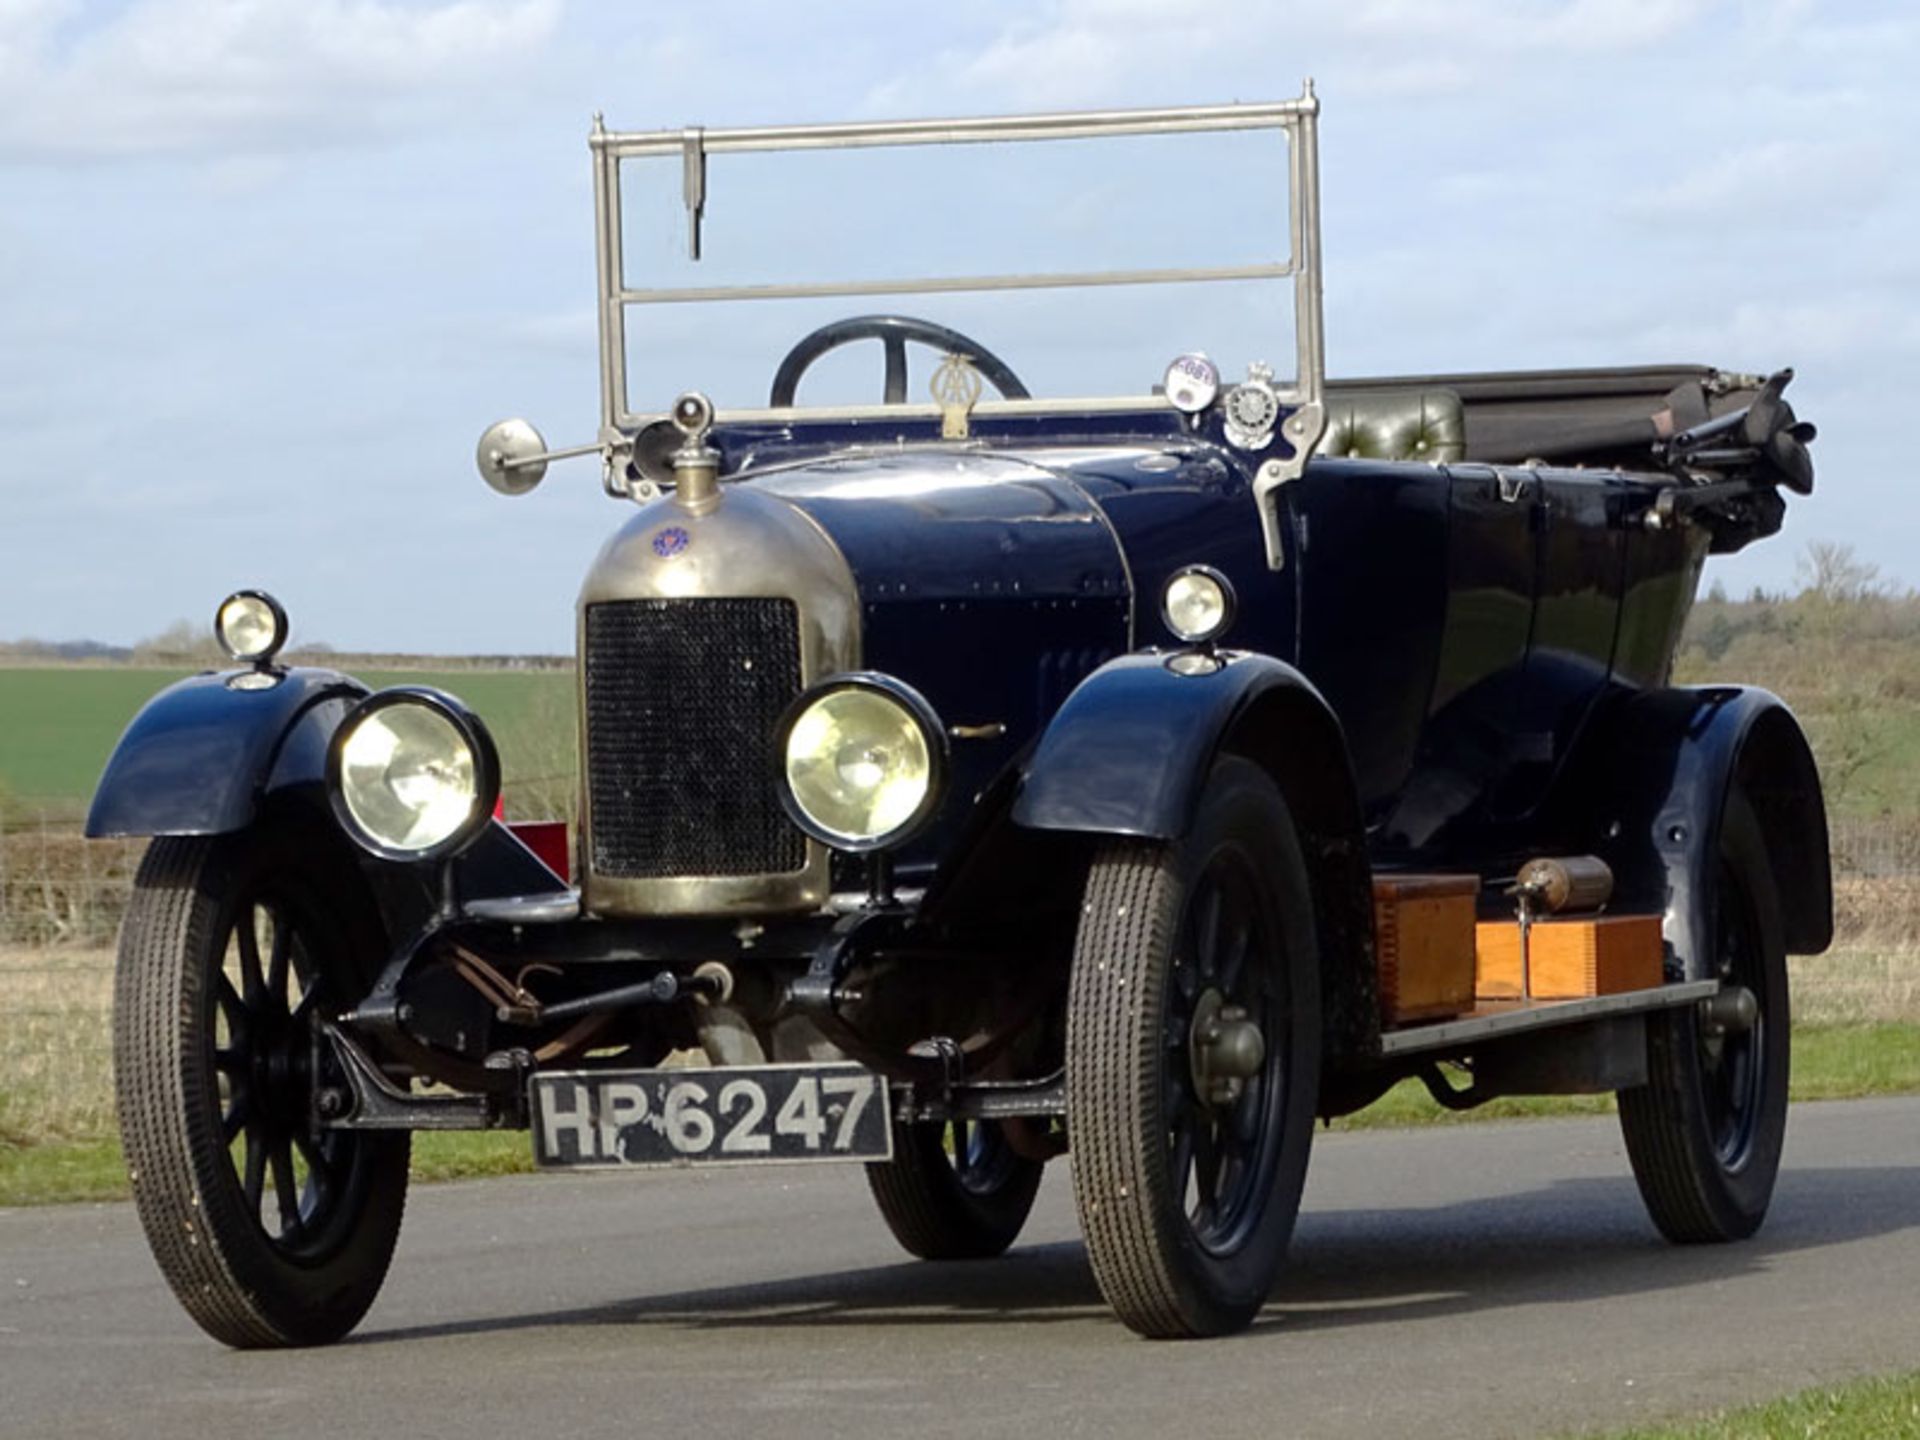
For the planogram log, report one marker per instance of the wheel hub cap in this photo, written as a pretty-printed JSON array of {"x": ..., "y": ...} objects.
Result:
[{"x": 1226, "y": 1047}]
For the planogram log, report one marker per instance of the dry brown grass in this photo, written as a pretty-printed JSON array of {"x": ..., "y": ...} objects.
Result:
[
  {"x": 1877, "y": 912},
  {"x": 59, "y": 889},
  {"x": 1851, "y": 985},
  {"x": 56, "y": 1049}
]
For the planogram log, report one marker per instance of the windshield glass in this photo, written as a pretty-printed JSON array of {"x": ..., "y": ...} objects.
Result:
[{"x": 1084, "y": 264}]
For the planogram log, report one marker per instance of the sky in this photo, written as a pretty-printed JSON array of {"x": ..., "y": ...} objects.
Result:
[{"x": 268, "y": 269}]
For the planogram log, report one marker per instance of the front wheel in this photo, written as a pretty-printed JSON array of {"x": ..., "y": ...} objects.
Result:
[
  {"x": 1705, "y": 1132},
  {"x": 270, "y": 1231},
  {"x": 1193, "y": 1061}
]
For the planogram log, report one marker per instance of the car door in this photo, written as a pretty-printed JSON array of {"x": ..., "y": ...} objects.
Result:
[
  {"x": 1470, "y": 740},
  {"x": 1372, "y": 576},
  {"x": 1583, "y": 533},
  {"x": 1533, "y": 581}
]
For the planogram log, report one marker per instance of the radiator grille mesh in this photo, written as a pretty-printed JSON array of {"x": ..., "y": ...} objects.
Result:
[{"x": 682, "y": 697}]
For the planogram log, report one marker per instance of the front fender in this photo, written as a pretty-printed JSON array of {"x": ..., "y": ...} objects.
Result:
[
  {"x": 200, "y": 755},
  {"x": 1128, "y": 751},
  {"x": 1664, "y": 762},
  {"x": 202, "y": 758}
]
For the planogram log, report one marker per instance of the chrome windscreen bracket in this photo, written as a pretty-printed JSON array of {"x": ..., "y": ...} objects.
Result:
[
  {"x": 1302, "y": 429},
  {"x": 693, "y": 183}
]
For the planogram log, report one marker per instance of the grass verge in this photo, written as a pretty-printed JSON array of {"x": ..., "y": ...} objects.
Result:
[
  {"x": 1830, "y": 1063},
  {"x": 1881, "y": 1409},
  {"x": 68, "y": 1171}
]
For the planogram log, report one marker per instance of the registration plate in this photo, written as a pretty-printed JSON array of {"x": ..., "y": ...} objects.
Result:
[{"x": 732, "y": 1116}]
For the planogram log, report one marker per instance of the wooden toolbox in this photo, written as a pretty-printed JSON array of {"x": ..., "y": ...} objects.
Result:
[
  {"x": 1423, "y": 934},
  {"x": 1571, "y": 959}
]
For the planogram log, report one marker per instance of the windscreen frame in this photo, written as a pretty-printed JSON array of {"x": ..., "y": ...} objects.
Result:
[{"x": 1297, "y": 119}]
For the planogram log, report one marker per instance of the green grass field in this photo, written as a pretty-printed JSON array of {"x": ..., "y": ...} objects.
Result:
[
  {"x": 58, "y": 725},
  {"x": 1868, "y": 757},
  {"x": 83, "y": 1170}
]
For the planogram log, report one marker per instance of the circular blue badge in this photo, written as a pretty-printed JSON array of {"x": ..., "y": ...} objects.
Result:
[{"x": 670, "y": 542}]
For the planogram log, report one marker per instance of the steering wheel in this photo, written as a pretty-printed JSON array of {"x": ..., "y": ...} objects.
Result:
[{"x": 892, "y": 331}]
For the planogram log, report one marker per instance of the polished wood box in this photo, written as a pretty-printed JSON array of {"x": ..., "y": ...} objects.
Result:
[
  {"x": 1423, "y": 938},
  {"x": 1572, "y": 959}
]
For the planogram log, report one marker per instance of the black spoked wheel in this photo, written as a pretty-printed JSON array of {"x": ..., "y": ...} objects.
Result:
[
  {"x": 270, "y": 1230},
  {"x": 954, "y": 1191},
  {"x": 1193, "y": 1057},
  {"x": 1705, "y": 1132}
]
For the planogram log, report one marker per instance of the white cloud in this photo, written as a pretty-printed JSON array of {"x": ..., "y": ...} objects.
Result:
[
  {"x": 1081, "y": 51},
  {"x": 1072, "y": 52},
  {"x": 563, "y": 330},
  {"x": 239, "y": 174},
  {"x": 1497, "y": 27},
  {"x": 1778, "y": 179},
  {"x": 23, "y": 23},
  {"x": 1414, "y": 76},
  {"x": 1839, "y": 330},
  {"x": 1097, "y": 45},
  {"x": 245, "y": 76}
]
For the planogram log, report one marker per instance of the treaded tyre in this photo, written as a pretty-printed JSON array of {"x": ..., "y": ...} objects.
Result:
[
  {"x": 954, "y": 1191},
  {"x": 1705, "y": 1132},
  {"x": 1188, "y": 1181},
  {"x": 270, "y": 1231}
]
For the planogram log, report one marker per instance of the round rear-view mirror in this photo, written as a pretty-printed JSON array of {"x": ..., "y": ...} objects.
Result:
[{"x": 512, "y": 457}]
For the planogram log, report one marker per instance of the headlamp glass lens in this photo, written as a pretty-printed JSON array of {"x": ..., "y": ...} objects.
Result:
[
  {"x": 859, "y": 764},
  {"x": 1196, "y": 606},
  {"x": 407, "y": 775},
  {"x": 246, "y": 626}
]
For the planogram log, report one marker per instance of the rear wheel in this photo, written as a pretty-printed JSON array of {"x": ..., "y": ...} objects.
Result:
[
  {"x": 1705, "y": 1132},
  {"x": 270, "y": 1230},
  {"x": 954, "y": 1191},
  {"x": 1193, "y": 1061}
]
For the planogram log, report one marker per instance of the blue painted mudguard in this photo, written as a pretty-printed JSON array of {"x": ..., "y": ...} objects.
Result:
[
  {"x": 1129, "y": 750},
  {"x": 202, "y": 758},
  {"x": 1129, "y": 754},
  {"x": 201, "y": 754},
  {"x": 1657, "y": 773}
]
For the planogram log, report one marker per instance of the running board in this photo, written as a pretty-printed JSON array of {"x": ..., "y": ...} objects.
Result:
[{"x": 1497, "y": 1019}]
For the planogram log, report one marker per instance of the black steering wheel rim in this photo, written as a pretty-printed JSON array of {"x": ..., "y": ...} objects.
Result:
[{"x": 893, "y": 332}]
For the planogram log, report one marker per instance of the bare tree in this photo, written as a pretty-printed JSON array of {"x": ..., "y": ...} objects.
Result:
[
  {"x": 1832, "y": 571},
  {"x": 1831, "y": 614}
]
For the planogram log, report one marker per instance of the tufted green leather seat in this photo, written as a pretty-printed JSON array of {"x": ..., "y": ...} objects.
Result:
[{"x": 1396, "y": 425}]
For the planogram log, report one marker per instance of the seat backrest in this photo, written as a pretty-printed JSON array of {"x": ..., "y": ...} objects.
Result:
[{"x": 1396, "y": 425}]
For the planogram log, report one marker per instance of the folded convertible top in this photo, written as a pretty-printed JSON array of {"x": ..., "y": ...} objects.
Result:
[{"x": 1578, "y": 416}]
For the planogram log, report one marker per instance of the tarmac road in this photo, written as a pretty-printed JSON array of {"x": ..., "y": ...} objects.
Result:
[{"x": 1487, "y": 1281}]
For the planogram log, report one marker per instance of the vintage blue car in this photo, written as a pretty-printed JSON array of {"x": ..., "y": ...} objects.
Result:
[{"x": 1130, "y": 764}]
